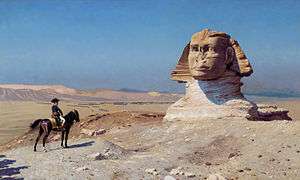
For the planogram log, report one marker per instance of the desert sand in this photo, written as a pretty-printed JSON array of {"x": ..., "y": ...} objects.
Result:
[
  {"x": 15, "y": 116},
  {"x": 139, "y": 145}
]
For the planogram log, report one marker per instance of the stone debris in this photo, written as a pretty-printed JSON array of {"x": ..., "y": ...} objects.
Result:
[
  {"x": 177, "y": 171},
  {"x": 84, "y": 168},
  {"x": 152, "y": 171},
  {"x": 189, "y": 174},
  {"x": 87, "y": 132},
  {"x": 216, "y": 177},
  {"x": 111, "y": 151},
  {"x": 248, "y": 169},
  {"x": 99, "y": 132},
  {"x": 208, "y": 164},
  {"x": 231, "y": 155},
  {"x": 96, "y": 156},
  {"x": 169, "y": 178},
  {"x": 90, "y": 132}
]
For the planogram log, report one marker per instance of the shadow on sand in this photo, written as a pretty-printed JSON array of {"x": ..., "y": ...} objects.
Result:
[
  {"x": 7, "y": 172},
  {"x": 89, "y": 143}
]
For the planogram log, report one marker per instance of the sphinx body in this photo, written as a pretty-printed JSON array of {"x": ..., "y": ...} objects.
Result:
[
  {"x": 213, "y": 99},
  {"x": 211, "y": 66}
]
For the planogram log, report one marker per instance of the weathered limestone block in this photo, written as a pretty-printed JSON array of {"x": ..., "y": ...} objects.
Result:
[{"x": 212, "y": 65}]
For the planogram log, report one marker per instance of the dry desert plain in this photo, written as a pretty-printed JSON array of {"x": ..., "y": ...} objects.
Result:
[
  {"x": 15, "y": 116},
  {"x": 138, "y": 145}
]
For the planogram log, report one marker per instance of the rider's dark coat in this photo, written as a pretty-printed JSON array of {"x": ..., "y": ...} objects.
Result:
[{"x": 56, "y": 111}]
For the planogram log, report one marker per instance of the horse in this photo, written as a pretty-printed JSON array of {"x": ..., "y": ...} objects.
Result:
[{"x": 46, "y": 127}]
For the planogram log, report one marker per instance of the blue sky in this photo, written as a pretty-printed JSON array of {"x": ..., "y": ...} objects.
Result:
[{"x": 135, "y": 44}]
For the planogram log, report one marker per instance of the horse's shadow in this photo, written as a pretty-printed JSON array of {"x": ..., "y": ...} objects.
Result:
[
  {"x": 84, "y": 144},
  {"x": 89, "y": 143},
  {"x": 7, "y": 172}
]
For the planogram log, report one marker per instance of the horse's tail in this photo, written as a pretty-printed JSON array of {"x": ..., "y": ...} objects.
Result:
[{"x": 35, "y": 123}]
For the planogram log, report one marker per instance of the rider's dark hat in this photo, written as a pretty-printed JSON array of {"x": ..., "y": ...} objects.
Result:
[{"x": 55, "y": 100}]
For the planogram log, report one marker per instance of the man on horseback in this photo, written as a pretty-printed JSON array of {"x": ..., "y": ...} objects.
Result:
[{"x": 57, "y": 112}]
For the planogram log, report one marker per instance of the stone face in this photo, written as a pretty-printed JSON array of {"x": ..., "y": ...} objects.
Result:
[
  {"x": 212, "y": 65},
  {"x": 208, "y": 55}
]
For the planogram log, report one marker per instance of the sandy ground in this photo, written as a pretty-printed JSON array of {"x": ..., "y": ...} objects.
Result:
[
  {"x": 15, "y": 116},
  {"x": 234, "y": 148}
]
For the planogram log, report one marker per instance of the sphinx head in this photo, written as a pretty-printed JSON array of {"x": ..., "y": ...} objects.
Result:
[{"x": 208, "y": 55}]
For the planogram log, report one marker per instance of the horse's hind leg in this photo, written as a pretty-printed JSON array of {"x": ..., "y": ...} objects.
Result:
[
  {"x": 66, "y": 138},
  {"x": 45, "y": 137},
  {"x": 38, "y": 138},
  {"x": 62, "y": 138}
]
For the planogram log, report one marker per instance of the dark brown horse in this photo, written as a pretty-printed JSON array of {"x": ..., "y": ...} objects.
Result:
[{"x": 46, "y": 127}]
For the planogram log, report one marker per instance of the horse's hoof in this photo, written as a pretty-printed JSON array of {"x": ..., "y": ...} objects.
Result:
[{"x": 34, "y": 150}]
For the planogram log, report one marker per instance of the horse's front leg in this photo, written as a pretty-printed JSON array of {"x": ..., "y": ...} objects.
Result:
[
  {"x": 62, "y": 138},
  {"x": 66, "y": 139},
  {"x": 38, "y": 138}
]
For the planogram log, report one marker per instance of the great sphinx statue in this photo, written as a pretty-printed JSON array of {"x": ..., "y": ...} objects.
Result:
[{"x": 211, "y": 66}]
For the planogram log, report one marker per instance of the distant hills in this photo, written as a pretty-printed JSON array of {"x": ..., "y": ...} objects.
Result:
[
  {"x": 278, "y": 94},
  {"x": 20, "y": 92}
]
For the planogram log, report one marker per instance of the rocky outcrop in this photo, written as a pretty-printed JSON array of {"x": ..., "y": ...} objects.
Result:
[{"x": 111, "y": 151}]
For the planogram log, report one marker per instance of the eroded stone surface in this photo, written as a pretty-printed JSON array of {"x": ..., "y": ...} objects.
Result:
[{"x": 212, "y": 65}]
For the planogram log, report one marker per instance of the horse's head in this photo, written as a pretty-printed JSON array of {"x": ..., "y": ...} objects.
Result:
[{"x": 76, "y": 115}]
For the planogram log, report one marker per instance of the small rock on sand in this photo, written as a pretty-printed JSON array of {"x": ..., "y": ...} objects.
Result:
[
  {"x": 177, "y": 171},
  {"x": 96, "y": 156},
  {"x": 99, "y": 132},
  {"x": 110, "y": 151},
  {"x": 152, "y": 171},
  {"x": 189, "y": 175},
  {"x": 87, "y": 132},
  {"x": 169, "y": 178},
  {"x": 84, "y": 168},
  {"x": 215, "y": 177},
  {"x": 90, "y": 132}
]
